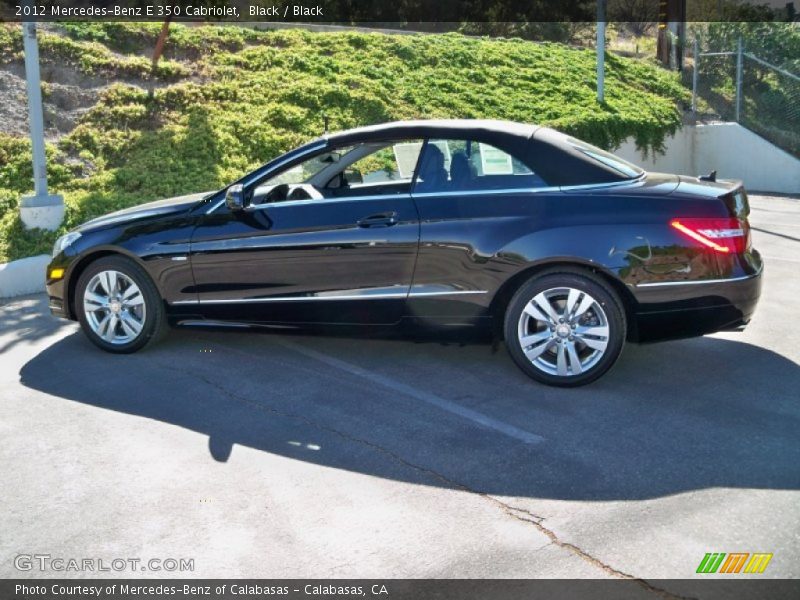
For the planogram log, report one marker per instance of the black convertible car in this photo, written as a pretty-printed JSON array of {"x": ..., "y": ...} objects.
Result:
[{"x": 567, "y": 250}]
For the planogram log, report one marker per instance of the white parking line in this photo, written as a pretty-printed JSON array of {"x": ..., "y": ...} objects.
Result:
[{"x": 430, "y": 398}]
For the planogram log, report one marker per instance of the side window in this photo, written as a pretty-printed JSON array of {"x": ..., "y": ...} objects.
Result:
[
  {"x": 375, "y": 169},
  {"x": 367, "y": 169},
  {"x": 296, "y": 183},
  {"x": 468, "y": 165},
  {"x": 307, "y": 169},
  {"x": 384, "y": 166}
]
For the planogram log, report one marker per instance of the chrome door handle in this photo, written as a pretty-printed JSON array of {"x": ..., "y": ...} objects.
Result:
[{"x": 386, "y": 219}]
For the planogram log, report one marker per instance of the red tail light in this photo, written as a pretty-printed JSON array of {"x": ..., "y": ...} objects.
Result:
[{"x": 726, "y": 235}]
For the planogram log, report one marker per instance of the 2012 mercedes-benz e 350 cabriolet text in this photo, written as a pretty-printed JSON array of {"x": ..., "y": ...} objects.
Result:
[{"x": 567, "y": 250}]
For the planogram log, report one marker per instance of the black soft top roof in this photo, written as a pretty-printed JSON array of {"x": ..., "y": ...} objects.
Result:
[
  {"x": 435, "y": 128},
  {"x": 546, "y": 151}
]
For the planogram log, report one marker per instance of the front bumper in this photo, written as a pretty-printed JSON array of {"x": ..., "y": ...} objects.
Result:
[
  {"x": 57, "y": 309},
  {"x": 56, "y": 288}
]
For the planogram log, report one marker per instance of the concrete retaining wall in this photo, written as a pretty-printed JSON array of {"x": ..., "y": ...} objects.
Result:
[
  {"x": 23, "y": 276},
  {"x": 734, "y": 151}
]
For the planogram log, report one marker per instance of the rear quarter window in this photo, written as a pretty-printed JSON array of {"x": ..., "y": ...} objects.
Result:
[
  {"x": 620, "y": 165},
  {"x": 468, "y": 165}
]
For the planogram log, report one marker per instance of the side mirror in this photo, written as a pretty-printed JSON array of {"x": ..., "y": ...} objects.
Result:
[
  {"x": 234, "y": 198},
  {"x": 352, "y": 176}
]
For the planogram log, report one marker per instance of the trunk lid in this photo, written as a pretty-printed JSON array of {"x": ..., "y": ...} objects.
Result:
[{"x": 730, "y": 192}]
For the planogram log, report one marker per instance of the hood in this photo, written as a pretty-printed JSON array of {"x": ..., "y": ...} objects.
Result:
[{"x": 142, "y": 211}]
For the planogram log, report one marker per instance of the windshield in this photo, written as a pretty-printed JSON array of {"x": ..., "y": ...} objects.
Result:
[{"x": 621, "y": 166}]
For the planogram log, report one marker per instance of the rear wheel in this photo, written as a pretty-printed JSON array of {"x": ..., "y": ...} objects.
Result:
[
  {"x": 118, "y": 305},
  {"x": 565, "y": 329}
]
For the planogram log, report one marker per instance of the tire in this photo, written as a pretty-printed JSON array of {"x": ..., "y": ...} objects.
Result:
[
  {"x": 135, "y": 310},
  {"x": 576, "y": 340}
]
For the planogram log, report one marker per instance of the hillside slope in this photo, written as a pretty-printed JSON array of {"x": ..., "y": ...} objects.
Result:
[{"x": 226, "y": 99}]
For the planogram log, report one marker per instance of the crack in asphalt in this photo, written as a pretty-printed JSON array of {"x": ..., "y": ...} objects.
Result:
[
  {"x": 526, "y": 516},
  {"x": 520, "y": 514}
]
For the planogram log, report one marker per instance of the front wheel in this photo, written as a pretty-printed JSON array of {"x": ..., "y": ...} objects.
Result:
[
  {"x": 565, "y": 329},
  {"x": 118, "y": 305}
]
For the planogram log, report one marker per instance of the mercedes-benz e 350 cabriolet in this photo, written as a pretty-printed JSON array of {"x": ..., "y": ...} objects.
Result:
[{"x": 566, "y": 250}]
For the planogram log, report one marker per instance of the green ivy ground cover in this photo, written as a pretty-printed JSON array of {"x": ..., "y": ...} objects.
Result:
[{"x": 227, "y": 99}]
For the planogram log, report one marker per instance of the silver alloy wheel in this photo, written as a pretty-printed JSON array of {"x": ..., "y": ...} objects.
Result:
[
  {"x": 563, "y": 331},
  {"x": 114, "y": 307}
]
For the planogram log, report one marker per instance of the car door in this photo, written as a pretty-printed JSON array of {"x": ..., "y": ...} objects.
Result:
[
  {"x": 345, "y": 255},
  {"x": 474, "y": 199}
]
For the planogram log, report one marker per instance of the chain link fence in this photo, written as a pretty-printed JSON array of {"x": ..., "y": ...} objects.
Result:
[{"x": 736, "y": 85}]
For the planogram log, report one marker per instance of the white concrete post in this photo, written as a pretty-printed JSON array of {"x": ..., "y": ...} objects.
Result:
[
  {"x": 601, "y": 49},
  {"x": 739, "y": 58},
  {"x": 40, "y": 210},
  {"x": 696, "y": 58}
]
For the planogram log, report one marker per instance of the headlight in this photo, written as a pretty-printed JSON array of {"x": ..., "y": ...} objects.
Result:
[{"x": 64, "y": 241}]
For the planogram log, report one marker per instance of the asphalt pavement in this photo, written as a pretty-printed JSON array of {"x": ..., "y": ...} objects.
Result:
[{"x": 293, "y": 455}]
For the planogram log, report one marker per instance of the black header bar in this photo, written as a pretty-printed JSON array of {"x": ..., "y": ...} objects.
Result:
[
  {"x": 396, "y": 12},
  {"x": 735, "y": 588}
]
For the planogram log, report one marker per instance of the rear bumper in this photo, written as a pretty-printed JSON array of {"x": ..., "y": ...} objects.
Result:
[{"x": 694, "y": 308}]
